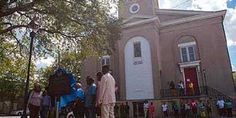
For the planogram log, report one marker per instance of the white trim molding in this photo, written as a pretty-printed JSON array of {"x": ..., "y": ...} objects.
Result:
[
  {"x": 193, "y": 18},
  {"x": 187, "y": 44},
  {"x": 141, "y": 22},
  {"x": 189, "y": 64}
]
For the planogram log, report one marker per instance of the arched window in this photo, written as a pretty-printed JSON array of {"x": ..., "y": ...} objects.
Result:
[{"x": 187, "y": 47}]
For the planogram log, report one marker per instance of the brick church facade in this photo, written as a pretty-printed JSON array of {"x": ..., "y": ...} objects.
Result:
[{"x": 158, "y": 46}]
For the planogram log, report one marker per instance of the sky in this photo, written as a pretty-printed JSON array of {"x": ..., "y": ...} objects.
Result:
[
  {"x": 212, "y": 5},
  {"x": 203, "y": 5}
]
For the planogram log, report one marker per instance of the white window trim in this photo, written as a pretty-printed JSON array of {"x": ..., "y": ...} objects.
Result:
[
  {"x": 189, "y": 64},
  {"x": 187, "y": 44}
]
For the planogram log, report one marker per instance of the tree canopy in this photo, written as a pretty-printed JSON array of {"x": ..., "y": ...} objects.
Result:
[
  {"x": 75, "y": 28},
  {"x": 82, "y": 24}
]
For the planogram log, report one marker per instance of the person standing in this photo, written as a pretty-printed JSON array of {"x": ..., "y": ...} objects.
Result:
[
  {"x": 182, "y": 109},
  {"x": 165, "y": 109},
  {"x": 193, "y": 106},
  {"x": 175, "y": 108},
  {"x": 151, "y": 110},
  {"x": 172, "y": 88},
  {"x": 191, "y": 88},
  {"x": 45, "y": 105},
  {"x": 98, "y": 109},
  {"x": 78, "y": 106},
  {"x": 181, "y": 88},
  {"x": 228, "y": 108},
  {"x": 209, "y": 109},
  {"x": 187, "y": 109},
  {"x": 122, "y": 110},
  {"x": 202, "y": 109},
  {"x": 126, "y": 110},
  {"x": 116, "y": 110},
  {"x": 35, "y": 101},
  {"x": 107, "y": 97},
  {"x": 145, "y": 108},
  {"x": 90, "y": 98},
  {"x": 220, "y": 105}
]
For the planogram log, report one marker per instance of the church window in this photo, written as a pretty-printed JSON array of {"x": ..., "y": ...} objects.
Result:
[
  {"x": 106, "y": 60},
  {"x": 191, "y": 53},
  {"x": 184, "y": 54},
  {"x": 188, "y": 54},
  {"x": 188, "y": 48},
  {"x": 137, "y": 49}
]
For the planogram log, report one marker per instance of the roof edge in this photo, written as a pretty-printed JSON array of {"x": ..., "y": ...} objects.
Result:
[{"x": 195, "y": 17}]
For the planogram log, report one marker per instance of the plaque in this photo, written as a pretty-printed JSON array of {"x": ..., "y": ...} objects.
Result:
[{"x": 59, "y": 84}]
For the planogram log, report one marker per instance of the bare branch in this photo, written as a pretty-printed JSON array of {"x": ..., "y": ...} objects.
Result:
[
  {"x": 58, "y": 32},
  {"x": 12, "y": 28}
]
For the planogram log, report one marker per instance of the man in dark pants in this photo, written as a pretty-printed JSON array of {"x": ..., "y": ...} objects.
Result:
[
  {"x": 126, "y": 110},
  {"x": 78, "y": 108},
  {"x": 90, "y": 98}
]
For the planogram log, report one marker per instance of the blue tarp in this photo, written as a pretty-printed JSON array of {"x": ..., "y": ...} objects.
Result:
[{"x": 74, "y": 94}]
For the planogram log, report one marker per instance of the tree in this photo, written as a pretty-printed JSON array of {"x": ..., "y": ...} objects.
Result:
[
  {"x": 71, "y": 23},
  {"x": 12, "y": 72},
  {"x": 76, "y": 28}
]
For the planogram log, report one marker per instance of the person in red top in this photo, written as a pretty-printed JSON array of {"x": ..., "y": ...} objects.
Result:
[
  {"x": 193, "y": 106},
  {"x": 151, "y": 110}
]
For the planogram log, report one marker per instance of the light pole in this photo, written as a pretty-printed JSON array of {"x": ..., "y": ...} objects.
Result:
[{"x": 32, "y": 35}]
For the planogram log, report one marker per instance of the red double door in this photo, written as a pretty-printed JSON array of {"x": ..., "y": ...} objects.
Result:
[{"x": 191, "y": 77}]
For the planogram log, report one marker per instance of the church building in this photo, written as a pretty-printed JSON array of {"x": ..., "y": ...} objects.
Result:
[{"x": 160, "y": 46}]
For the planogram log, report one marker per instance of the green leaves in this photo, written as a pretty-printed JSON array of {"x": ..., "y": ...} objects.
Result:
[{"x": 75, "y": 28}]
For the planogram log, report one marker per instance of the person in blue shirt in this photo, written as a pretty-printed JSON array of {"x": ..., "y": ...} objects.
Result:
[
  {"x": 78, "y": 106},
  {"x": 90, "y": 98}
]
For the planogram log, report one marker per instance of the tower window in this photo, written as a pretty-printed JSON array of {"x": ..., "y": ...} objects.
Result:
[
  {"x": 106, "y": 60},
  {"x": 137, "y": 49}
]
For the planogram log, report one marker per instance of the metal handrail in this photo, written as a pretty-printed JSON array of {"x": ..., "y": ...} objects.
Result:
[{"x": 202, "y": 91}]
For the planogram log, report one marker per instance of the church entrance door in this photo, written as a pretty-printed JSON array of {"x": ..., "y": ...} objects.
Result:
[{"x": 191, "y": 81}]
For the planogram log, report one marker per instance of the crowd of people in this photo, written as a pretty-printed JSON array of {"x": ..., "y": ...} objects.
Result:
[
  {"x": 99, "y": 98},
  {"x": 189, "y": 108},
  {"x": 182, "y": 89},
  {"x": 122, "y": 110},
  {"x": 224, "y": 107}
]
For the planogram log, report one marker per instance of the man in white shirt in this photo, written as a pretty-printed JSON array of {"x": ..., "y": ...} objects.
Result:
[
  {"x": 107, "y": 96},
  {"x": 145, "y": 107},
  {"x": 165, "y": 109},
  {"x": 220, "y": 104}
]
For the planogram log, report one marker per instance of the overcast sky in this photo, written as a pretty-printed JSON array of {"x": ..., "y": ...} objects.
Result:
[{"x": 205, "y": 5}]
